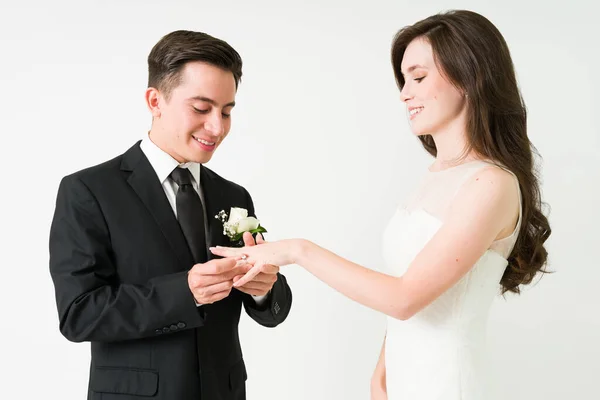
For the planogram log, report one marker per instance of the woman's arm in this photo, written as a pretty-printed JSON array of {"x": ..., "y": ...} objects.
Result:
[{"x": 485, "y": 208}]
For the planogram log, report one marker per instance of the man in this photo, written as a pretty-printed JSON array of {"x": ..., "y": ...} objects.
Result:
[{"x": 129, "y": 243}]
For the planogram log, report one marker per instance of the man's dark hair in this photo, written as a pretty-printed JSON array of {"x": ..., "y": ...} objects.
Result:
[{"x": 174, "y": 50}]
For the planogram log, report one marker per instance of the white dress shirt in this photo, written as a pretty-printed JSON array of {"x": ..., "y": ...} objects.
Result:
[{"x": 163, "y": 165}]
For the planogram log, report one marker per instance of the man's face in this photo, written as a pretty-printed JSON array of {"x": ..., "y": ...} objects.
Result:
[{"x": 193, "y": 122}]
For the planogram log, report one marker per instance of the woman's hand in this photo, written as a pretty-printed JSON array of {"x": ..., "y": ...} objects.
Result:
[{"x": 261, "y": 256}]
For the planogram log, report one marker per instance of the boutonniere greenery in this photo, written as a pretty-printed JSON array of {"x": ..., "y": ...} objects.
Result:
[{"x": 238, "y": 222}]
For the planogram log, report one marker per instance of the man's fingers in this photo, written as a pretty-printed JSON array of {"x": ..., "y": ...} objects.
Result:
[
  {"x": 248, "y": 239},
  {"x": 259, "y": 238},
  {"x": 249, "y": 275},
  {"x": 253, "y": 292},
  {"x": 207, "y": 275},
  {"x": 220, "y": 266},
  {"x": 270, "y": 269},
  {"x": 267, "y": 275},
  {"x": 265, "y": 278},
  {"x": 200, "y": 281},
  {"x": 216, "y": 288},
  {"x": 210, "y": 294},
  {"x": 218, "y": 296},
  {"x": 238, "y": 271},
  {"x": 215, "y": 267},
  {"x": 203, "y": 280},
  {"x": 256, "y": 285}
]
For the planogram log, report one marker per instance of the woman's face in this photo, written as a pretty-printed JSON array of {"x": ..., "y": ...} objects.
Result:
[{"x": 433, "y": 103}]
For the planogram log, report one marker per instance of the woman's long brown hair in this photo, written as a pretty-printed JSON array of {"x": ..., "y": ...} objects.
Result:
[{"x": 473, "y": 55}]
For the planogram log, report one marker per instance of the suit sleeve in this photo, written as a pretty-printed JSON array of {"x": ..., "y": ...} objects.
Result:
[
  {"x": 92, "y": 304},
  {"x": 276, "y": 307}
]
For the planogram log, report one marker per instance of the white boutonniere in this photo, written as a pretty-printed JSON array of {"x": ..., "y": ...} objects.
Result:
[{"x": 237, "y": 223}]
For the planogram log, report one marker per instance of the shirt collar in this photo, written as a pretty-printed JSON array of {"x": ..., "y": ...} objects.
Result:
[{"x": 164, "y": 164}]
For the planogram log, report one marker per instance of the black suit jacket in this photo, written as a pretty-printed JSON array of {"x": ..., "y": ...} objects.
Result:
[{"x": 119, "y": 263}]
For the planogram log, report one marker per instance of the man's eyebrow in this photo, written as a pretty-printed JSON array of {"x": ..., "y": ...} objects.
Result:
[{"x": 211, "y": 101}]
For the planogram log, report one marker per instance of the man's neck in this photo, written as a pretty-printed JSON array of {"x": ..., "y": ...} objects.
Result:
[{"x": 156, "y": 138}]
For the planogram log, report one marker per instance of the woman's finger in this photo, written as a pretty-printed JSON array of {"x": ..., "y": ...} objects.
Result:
[{"x": 226, "y": 251}]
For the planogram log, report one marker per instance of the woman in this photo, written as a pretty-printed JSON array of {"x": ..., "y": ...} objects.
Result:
[{"x": 473, "y": 226}]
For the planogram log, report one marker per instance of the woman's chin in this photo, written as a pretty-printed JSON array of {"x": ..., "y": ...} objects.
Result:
[
  {"x": 418, "y": 130},
  {"x": 421, "y": 131}
]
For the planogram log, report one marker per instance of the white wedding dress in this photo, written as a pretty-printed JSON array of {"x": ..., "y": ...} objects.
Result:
[{"x": 439, "y": 353}]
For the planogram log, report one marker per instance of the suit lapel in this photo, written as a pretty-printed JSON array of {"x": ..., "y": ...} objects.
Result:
[
  {"x": 144, "y": 182},
  {"x": 214, "y": 200}
]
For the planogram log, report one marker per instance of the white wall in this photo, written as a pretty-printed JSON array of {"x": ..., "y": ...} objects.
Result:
[{"x": 321, "y": 141}]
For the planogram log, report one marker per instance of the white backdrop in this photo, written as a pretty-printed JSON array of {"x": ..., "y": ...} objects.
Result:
[{"x": 321, "y": 140}]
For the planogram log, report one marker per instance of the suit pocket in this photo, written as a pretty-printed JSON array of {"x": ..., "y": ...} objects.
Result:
[
  {"x": 138, "y": 382},
  {"x": 237, "y": 375}
]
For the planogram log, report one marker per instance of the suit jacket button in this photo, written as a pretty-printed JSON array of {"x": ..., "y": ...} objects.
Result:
[
  {"x": 174, "y": 327},
  {"x": 181, "y": 325},
  {"x": 166, "y": 329},
  {"x": 158, "y": 332}
]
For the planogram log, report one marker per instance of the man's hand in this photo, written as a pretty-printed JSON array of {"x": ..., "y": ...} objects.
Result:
[
  {"x": 264, "y": 281},
  {"x": 212, "y": 281}
]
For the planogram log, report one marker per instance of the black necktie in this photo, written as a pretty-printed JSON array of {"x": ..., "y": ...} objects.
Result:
[{"x": 190, "y": 214}]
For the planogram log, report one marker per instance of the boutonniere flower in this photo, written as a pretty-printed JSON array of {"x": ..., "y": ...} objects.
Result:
[{"x": 238, "y": 222}]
